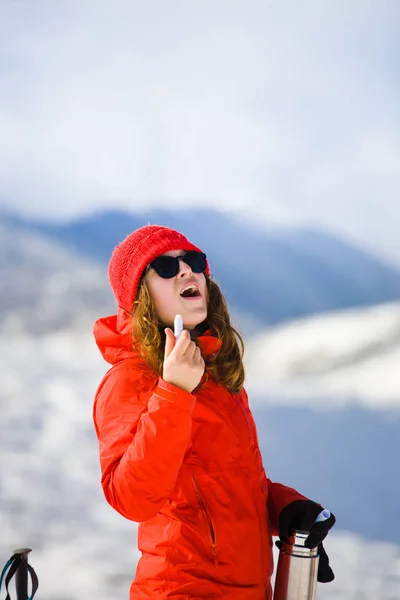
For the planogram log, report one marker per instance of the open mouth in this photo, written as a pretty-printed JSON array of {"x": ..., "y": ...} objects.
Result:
[{"x": 191, "y": 291}]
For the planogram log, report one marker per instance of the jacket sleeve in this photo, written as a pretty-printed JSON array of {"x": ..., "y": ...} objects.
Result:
[
  {"x": 142, "y": 443},
  {"x": 278, "y": 495}
]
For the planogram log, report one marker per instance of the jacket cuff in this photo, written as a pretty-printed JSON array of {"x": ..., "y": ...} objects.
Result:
[{"x": 170, "y": 393}]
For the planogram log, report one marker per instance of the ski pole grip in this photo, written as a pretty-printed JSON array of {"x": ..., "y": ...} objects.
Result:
[{"x": 21, "y": 575}]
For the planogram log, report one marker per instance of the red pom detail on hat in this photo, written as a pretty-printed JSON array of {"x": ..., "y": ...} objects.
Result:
[{"x": 130, "y": 258}]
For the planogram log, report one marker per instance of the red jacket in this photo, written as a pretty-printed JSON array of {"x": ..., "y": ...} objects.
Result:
[{"x": 188, "y": 468}]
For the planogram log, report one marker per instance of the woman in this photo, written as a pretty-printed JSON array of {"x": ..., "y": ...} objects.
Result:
[{"x": 178, "y": 445}]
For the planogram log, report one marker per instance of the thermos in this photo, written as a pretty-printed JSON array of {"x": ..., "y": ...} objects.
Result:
[{"x": 296, "y": 573}]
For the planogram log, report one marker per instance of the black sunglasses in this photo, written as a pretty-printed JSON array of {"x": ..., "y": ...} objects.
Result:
[{"x": 168, "y": 266}]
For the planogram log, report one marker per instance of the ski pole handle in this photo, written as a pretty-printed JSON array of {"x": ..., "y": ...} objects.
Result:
[{"x": 21, "y": 576}]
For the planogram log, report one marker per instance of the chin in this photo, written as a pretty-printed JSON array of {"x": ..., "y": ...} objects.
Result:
[{"x": 192, "y": 324}]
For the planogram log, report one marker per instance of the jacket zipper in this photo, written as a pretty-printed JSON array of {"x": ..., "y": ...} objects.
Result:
[{"x": 211, "y": 528}]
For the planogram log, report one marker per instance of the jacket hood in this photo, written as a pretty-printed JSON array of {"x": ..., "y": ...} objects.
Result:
[{"x": 113, "y": 337}]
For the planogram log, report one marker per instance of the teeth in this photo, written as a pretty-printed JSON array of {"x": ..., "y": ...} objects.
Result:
[{"x": 189, "y": 287}]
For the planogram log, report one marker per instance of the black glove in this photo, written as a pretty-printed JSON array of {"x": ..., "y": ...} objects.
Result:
[{"x": 301, "y": 515}]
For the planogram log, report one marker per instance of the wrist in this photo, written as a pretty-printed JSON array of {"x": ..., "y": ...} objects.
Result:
[{"x": 176, "y": 386}]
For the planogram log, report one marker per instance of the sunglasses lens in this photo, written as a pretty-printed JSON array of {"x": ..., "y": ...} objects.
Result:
[
  {"x": 166, "y": 266},
  {"x": 196, "y": 261}
]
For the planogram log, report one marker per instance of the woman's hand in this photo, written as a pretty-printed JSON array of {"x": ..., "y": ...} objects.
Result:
[
  {"x": 302, "y": 515},
  {"x": 183, "y": 363}
]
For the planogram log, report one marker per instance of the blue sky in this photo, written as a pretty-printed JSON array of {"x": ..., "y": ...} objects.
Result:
[{"x": 285, "y": 111}]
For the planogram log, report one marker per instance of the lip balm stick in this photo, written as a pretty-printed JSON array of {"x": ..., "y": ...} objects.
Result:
[{"x": 178, "y": 326}]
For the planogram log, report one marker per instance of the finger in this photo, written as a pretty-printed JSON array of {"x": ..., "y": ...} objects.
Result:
[
  {"x": 169, "y": 342},
  {"x": 325, "y": 525},
  {"x": 319, "y": 531},
  {"x": 183, "y": 343},
  {"x": 190, "y": 351},
  {"x": 201, "y": 364},
  {"x": 309, "y": 517},
  {"x": 197, "y": 356},
  {"x": 284, "y": 532},
  {"x": 330, "y": 522}
]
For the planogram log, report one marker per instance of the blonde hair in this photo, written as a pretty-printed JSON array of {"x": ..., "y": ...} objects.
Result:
[{"x": 225, "y": 367}]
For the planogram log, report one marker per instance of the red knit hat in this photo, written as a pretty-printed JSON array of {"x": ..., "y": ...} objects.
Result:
[{"x": 131, "y": 257}]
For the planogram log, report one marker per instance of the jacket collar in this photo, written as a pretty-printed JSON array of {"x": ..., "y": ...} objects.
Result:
[{"x": 113, "y": 337}]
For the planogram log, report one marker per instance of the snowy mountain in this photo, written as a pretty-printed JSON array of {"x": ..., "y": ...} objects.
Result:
[
  {"x": 326, "y": 391},
  {"x": 343, "y": 455},
  {"x": 46, "y": 286},
  {"x": 348, "y": 356},
  {"x": 274, "y": 274}
]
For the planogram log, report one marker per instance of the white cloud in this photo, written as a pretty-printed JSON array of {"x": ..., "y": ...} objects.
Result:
[{"x": 286, "y": 109}]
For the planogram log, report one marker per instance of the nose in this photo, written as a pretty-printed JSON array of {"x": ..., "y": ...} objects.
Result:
[{"x": 184, "y": 268}]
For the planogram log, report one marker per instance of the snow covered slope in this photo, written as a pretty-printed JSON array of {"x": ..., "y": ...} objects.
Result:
[
  {"x": 347, "y": 356},
  {"x": 50, "y": 494}
]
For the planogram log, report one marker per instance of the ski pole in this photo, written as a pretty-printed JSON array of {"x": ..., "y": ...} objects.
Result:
[
  {"x": 21, "y": 575},
  {"x": 18, "y": 565}
]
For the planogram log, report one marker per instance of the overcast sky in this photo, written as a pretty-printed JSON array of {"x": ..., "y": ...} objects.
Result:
[{"x": 288, "y": 109}]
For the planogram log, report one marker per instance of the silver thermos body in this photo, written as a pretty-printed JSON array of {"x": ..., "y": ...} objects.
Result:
[{"x": 296, "y": 573}]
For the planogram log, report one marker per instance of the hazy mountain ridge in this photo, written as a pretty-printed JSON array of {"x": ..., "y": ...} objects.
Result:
[
  {"x": 274, "y": 274},
  {"x": 46, "y": 286}
]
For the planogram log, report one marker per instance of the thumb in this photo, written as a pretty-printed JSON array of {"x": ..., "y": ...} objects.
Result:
[{"x": 169, "y": 342}]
